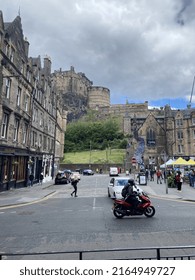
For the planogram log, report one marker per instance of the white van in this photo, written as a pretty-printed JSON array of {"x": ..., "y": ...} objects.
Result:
[{"x": 113, "y": 171}]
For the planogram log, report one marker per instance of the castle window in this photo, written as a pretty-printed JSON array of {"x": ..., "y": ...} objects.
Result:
[{"x": 151, "y": 137}]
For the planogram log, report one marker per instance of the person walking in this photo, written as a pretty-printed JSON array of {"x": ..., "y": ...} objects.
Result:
[
  {"x": 147, "y": 175},
  {"x": 190, "y": 177},
  {"x": 31, "y": 178},
  {"x": 151, "y": 175},
  {"x": 193, "y": 179},
  {"x": 74, "y": 181},
  {"x": 179, "y": 180},
  {"x": 159, "y": 176},
  {"x": 74, "y": 184},
  {"x": 41, "y": 178}
]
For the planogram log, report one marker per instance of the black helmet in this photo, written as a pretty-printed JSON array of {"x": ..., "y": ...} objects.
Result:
[{"x": 131, "y": 182}]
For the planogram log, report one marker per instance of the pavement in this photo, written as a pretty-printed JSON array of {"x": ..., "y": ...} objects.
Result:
[
  {"x": 24, "y": 196},
  {"x": 30, "y": 195}
]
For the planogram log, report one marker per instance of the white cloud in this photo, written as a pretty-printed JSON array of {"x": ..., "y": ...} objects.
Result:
[{"x": 140, "y": 50}]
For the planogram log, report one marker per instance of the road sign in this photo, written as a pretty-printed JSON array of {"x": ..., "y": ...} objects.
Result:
[{"x": 133, "y": 160}]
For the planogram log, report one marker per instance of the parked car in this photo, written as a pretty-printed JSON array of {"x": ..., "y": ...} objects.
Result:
[
  {"x": 63, "y": 177},
  {"x": 113, "y": 171},
  {"x": 78, "y": 170},
  {"x": 115, "y": 187},
  {"x": 88, "y": 172}
]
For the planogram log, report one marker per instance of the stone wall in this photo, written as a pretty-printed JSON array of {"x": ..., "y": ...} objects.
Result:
[{"x": 98, "y": 97}]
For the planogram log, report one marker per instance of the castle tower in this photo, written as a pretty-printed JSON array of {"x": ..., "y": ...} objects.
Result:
[{"x": 98, "y": 97}]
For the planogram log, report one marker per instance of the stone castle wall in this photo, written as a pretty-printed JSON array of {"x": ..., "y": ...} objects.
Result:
[{"x": 98, "y": 97}]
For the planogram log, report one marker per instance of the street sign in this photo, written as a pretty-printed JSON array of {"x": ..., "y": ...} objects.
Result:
[{"x": 133, "y": 160}]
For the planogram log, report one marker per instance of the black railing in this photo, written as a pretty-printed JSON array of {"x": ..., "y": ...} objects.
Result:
[{"x": 145, "y": 253}]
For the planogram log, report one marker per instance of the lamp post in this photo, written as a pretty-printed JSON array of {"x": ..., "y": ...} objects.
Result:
[{"x": 90, "y": 153}]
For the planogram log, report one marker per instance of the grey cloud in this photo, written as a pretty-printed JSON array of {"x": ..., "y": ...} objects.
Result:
[
  {"x": 186, "y": 12},
  {"x": 135, "y": 48}
]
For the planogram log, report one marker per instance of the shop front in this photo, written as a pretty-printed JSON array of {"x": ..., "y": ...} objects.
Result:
[{"x": 13, "y": 168}]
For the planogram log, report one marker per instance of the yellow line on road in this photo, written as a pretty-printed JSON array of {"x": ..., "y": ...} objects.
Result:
[{"x": 27, "y": 203}]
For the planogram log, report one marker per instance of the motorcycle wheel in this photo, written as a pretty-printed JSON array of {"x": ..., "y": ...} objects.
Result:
[
  {"x": 117, "y": 214},
  {"x": 149, "y": 211}
]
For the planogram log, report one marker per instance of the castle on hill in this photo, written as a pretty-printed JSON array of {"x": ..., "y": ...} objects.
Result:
[{"x": 154, "y": 134}]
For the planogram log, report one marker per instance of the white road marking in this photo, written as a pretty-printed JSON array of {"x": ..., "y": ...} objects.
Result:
[{"x": 94, "y": 201}]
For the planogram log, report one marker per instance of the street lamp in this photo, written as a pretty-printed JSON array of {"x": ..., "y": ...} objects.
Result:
[{"x": 90, "y": 153}]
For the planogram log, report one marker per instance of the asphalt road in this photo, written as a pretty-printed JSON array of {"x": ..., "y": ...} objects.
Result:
[{"x": 65, "y": 223}]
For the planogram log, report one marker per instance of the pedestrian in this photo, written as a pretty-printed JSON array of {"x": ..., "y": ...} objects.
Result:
[
  {"x": 193, "y": 179},
  {"x": 74, "y": 182},
  {"x": 179, "y": 180},
  {"x": 31, "y": 178},
  {"x": 159, "y": 176},
  {"x": 41, "y": 178},
  {"x": 147, "y": 175},
  {"x": 151, "y": 175}
]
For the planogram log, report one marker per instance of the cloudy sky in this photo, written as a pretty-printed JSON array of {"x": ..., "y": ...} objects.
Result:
[{"x": 139, "y": 49}]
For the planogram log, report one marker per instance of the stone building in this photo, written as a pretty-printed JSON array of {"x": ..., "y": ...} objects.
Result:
[
  {"x": 32, "y": 121},
  {"x": 156, "y": 135}
]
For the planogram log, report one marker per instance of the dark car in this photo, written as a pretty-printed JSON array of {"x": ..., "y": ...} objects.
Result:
[
  {"x": 63, "y": 177},
  {"x": 88, "y": 172}
]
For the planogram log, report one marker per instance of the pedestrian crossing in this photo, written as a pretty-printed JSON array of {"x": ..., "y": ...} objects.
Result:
[{"x": 82, "y": 193}]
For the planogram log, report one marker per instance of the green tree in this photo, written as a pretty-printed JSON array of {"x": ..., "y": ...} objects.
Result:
[{"x": 99, "y": 134}]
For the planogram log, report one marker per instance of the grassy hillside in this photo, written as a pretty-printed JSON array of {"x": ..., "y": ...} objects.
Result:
[{"x": 95, "y": 156}]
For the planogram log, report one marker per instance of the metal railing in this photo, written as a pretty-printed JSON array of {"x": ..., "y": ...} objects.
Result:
[{"x": 145, "y": 253}]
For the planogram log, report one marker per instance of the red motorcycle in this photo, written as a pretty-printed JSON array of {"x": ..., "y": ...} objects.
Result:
[{"x": 123, "y": 208}]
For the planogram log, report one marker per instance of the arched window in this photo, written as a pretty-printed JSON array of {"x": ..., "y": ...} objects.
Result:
[{"x": 151, "y": 137}]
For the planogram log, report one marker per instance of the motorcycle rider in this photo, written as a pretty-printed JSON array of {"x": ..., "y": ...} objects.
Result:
[{"x": 130, "y": 194}]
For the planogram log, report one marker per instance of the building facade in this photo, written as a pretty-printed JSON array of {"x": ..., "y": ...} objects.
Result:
[
  {"x": 159, "y": 134},
  {"x": 32, "y": 121}
]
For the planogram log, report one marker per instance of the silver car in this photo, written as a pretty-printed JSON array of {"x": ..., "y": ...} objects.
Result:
[{"x": 115, "y": 187}]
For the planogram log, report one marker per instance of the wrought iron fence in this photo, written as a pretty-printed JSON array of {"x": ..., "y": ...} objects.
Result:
[{"x": 145, "y": 253}]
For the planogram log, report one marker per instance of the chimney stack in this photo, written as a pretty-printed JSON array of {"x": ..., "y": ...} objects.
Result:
[{"x": 47, "y": 65}]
